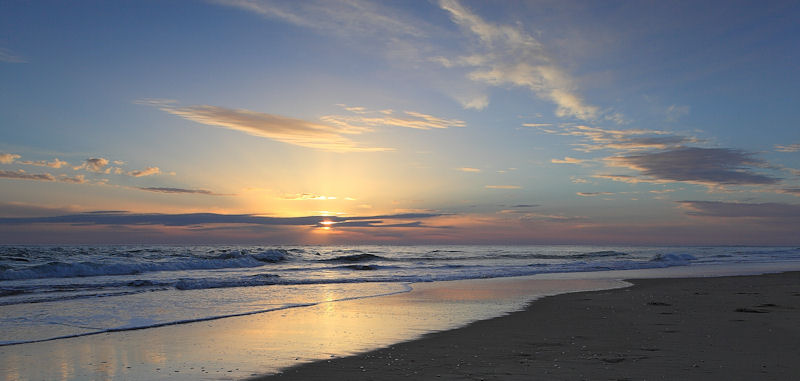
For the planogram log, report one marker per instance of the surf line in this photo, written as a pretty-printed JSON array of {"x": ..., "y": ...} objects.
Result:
[{"x": 406, "y": 288}]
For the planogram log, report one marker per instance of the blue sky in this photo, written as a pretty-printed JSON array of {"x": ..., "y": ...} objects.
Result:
[{"x": 400, "y": 122}]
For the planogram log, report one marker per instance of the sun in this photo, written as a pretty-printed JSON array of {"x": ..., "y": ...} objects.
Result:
[{"x": 326, "y": 225}]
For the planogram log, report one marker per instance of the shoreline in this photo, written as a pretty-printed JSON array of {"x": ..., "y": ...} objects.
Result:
[{"x": 732, "y": 327}]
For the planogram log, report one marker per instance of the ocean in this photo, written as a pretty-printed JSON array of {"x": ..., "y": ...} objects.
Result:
[{"x": 52, "y": 292}]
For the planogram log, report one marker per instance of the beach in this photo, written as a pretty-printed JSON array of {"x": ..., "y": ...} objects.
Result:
[{"x": 732, "y": 328}]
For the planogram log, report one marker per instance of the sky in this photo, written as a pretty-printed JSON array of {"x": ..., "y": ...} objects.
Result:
[{"x": 400, "y": 122}]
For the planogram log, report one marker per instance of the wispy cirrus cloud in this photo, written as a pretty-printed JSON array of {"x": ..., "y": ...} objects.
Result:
[
  {"x": 343, "y": 17},
  {"x": 509, "y": 55},
  {"x": 366, "y": 120},
  {"x": 529, "y": 216},
  {"x": 595, "y": 138},
  {"x": 329, "y": 135},
  {"x": 623, "y": 178},
  {"x": 279, "y": 128},
  {"x": 504, "y": 55}
]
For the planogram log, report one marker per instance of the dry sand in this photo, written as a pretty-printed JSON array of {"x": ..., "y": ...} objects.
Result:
[{"x": 731, "y": 328}]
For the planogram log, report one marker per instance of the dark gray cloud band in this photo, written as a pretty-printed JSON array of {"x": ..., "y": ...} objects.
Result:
[
  {"x": 195, "y": 219},
  {"x": 713, "y": 166},
  {"x": 178, "y": 190},
  {"x": 774, "y": 211}
]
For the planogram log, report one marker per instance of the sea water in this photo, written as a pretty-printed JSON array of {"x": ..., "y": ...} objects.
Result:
[
  {"x": 51, "y": 292},
  {"x": 229, "y": 312}
]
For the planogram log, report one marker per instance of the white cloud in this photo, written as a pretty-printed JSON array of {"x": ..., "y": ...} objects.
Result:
[
  {"x": 94, "y": 164},
  {"x": 468, "y": 169},
  {"x": 508, "y": 55},
  {"x": 10, "y": 57},
  {"x": 77, "y": 179},
  {"x": 788, "y": 148},
  {"x": 55, "y": 163},
  {"x": 475, "y": 102},
  {"x": 675, "y": 112},
  {"x": 144, "y": 172},
  {"x": 628, "y": 179},
  {"x": 567, "y": 160},
  {"x": 8, "y": 158},
  {"x": 308, "y": 196}
]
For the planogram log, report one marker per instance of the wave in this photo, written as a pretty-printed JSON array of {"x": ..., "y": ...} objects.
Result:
[
  {"x": 10, "y": 292},
  {"x": 363, "y": 257},
  {"x": 60, "y": 298},
  {"x": 57, "y": 269},
  {"x": 362, "y": 267},
  {"x": 347, "y": 273},
  {"x": 205, "y": 283},
  {"x": 589, "y": 255},
  {"x": 675, "y": 259},
  {"x": 600, "y": 254}
]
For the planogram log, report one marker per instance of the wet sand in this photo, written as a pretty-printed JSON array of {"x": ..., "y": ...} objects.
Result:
[{"x": 732, "y": 328}]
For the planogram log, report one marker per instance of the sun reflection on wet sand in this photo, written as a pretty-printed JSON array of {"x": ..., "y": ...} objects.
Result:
[{"x": 264, "y": 343}]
